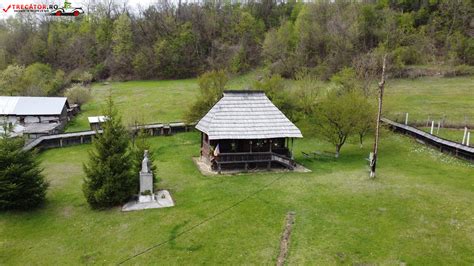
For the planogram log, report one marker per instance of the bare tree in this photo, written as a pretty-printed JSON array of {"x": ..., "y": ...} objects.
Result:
[{"x": 373, "y": 162}]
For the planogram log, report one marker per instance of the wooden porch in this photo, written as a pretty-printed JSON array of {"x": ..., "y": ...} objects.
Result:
[{"x": 247, "y": 154}]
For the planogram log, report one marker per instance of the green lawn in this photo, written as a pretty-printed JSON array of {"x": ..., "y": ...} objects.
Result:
[
  {"x": 167, "y": 101},
  {"x": 413, "y": 212},
  {"x": 151, "y": 101},
  {"x": 418, "y": 211},
  {"x": 431, "y": 98},
  {"x": 147, "y": 101},
  {"x": 452, "y": 134}
]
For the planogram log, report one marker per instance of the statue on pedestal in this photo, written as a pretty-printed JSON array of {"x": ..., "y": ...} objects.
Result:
[
  {"x": 146, "y": 167},
  {"x": 146, "y": 180}
]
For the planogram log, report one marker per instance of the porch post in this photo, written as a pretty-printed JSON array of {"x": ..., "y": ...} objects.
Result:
[
  {"x": 292, "y": 144},
  {"x": 202, "y": 137},
  {"x": 269, "y": 165}
]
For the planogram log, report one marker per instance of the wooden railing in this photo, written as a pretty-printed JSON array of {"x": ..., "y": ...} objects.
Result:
[
  {"x": 444, "y": 145},
  {"x": 84, "y": 137},
  {"x": 253, "y": 157}
]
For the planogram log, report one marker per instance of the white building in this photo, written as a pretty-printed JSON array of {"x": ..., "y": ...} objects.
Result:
[{"x": 38, "y": 115}]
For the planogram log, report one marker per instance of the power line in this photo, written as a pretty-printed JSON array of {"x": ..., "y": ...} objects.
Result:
[{"x": 200, "y": 223}]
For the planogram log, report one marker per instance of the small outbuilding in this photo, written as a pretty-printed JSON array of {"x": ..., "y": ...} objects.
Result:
[
  {"x": 95, "y": 122},
  {"x": 245, "y": 130}
]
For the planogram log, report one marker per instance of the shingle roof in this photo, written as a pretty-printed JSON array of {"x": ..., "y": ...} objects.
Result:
[
  {"x": 246, "y": 115},
  {"x": 12, "y": 105}
]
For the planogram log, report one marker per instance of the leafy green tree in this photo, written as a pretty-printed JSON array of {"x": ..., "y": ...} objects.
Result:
[
  {"x": 365, "y": 116},
  {"x": 211, "y": 86},
  {"x": 250, "y": 31},
  {"x": 275, "y": 88},
  {"x": 336, "y": 117},
  {"x": 306, "y": 93},
  {"x": 278, "y": 50},
  {"x": 143, "y": 64},
  {"x": 176, "y": 54},
  {"x": 109, "y": 178},
  {"x": 122, "y": 46},
  {"x": 346, "y": 79},
  {"x": 22, "y": 185},
  {"x": 11, "y": 80},
  {"x": 39, "y": 80}
]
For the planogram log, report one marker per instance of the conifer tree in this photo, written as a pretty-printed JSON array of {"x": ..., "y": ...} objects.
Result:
[
  {"x": 109, "y": 180},
  {"x": 22, "y": 186}
]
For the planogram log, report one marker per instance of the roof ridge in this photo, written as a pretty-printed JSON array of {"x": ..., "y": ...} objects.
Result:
[{"x": 243, "y": 91}]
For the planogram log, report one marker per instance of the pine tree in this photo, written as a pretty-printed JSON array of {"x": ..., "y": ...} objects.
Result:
[
  {"x": 109, "y": 180},
  {"x": 22, "y": 186}
]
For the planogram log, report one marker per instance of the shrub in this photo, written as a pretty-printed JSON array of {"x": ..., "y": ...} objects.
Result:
[
  {"x": 461, "y": 70},
  {"x": 275, "y": 88},
  {"x": 78, "y": 95},
  {"x": 211, "y": 87}
]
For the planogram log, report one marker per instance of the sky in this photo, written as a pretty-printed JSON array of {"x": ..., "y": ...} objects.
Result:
[{"x": 75, "y": 3}]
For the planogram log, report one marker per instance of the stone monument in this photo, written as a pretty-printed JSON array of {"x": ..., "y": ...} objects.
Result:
[
  {"x": 147, "y": 198},
  {"x": 146, "y": 181}
]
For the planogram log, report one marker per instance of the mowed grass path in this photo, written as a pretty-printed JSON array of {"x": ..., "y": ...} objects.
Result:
[
  {"x": 431, "y": 97},
  {"x": 418, "y": 211}
]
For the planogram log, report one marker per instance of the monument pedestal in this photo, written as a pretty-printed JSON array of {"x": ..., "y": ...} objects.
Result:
[
  {"x": 161, "y": 199},
  {"x": 146, "y": 199},
  {"x": 146, "y": 187}
]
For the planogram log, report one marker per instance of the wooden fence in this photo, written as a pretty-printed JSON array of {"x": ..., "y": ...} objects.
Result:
[
  {"x": 444, "y": 145},
  {"x": 83, "y": 137}
]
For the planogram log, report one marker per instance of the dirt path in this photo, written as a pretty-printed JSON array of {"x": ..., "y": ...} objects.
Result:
[{"x": 285, "y": 239}]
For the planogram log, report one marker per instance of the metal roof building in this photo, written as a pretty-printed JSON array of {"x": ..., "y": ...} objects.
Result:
[
  {"x": 32, "y": 106},
  {"x": 246, "y": 115}
]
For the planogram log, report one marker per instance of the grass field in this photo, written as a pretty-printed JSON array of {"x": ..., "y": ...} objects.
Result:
[
  {"x": 447, "y": 133},
  {"x": 413, "y": 213},
  {"x": 431, "y": 98},
  {"x": 167, "y": 101},
  {"x": 148, "y": 101},
  {"x": 418, "y": 211}
]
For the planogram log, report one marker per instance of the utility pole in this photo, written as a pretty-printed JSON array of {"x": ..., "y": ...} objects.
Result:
[{"x": 373, "y": 162}]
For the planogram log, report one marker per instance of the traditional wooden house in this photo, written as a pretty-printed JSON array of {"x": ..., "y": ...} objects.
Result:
[{"x": 245, "y": 130}]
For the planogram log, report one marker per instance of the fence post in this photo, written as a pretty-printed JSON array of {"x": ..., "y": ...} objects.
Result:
[
  {"x": 406, "y": 119},
  {"x": 468, "y": 137},
  {"x": 464, "y": 136},
  {"x": 432, "y": 127}
]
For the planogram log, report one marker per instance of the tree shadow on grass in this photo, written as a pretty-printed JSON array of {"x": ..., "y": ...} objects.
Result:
[{"x": 175, "y": 233}]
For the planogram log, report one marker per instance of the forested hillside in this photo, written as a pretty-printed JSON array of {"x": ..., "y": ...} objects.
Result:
[{"x": 40, "y": 55}]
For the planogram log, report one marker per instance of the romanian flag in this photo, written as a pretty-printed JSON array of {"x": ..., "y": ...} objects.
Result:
[{"x": 216, "y": 151}]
